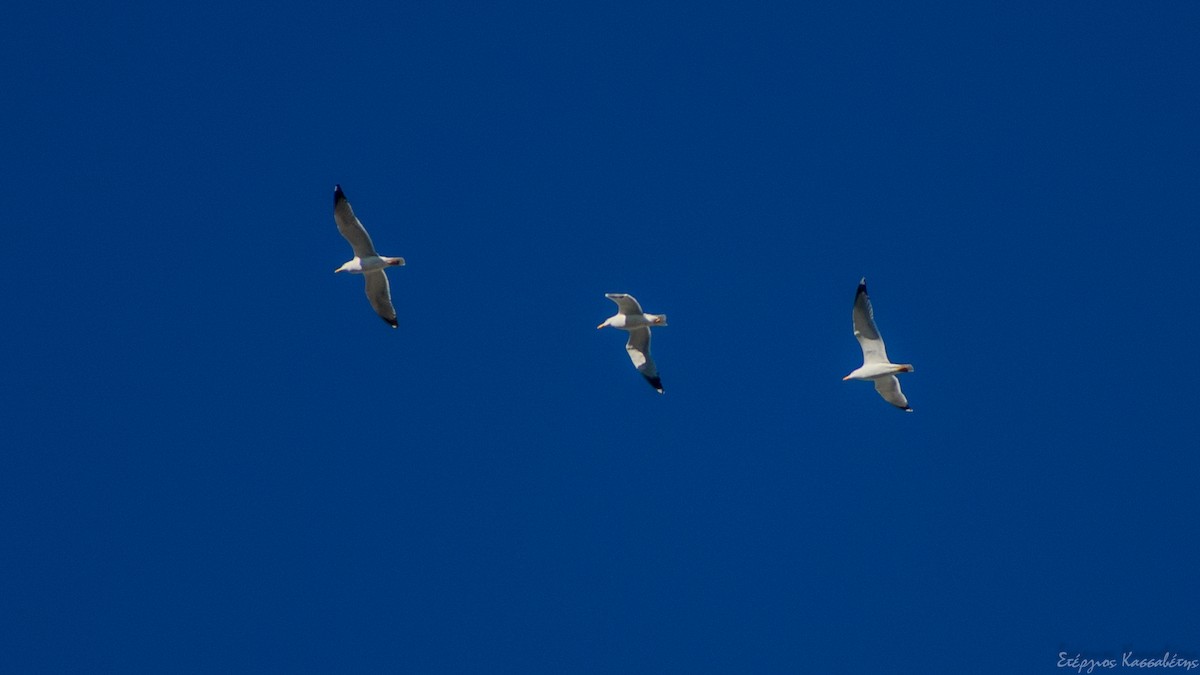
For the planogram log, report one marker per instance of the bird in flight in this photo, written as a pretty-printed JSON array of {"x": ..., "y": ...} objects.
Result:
[
  {"x": 365, "y": 261},
  {"x": 876, "y": 366},
  {"x": 631, "y": 318}
]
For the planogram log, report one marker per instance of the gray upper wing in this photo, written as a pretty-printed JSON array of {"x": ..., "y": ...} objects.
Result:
[
  {"x": 349, "y": 225},
  {"x": 865, "y": 329},
  {"x": 380, "y": 295},
  {"x": 626, "y": 304},
  {"x": 889, "y": 388},
  {"x": 639, "y": 352}
]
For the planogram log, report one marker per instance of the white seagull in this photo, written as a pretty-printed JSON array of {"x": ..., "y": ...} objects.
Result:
[
  {"x": 366, "y": 261},
  {"x": 875, "y": 360},
  {"x": 630, "y": 317}
]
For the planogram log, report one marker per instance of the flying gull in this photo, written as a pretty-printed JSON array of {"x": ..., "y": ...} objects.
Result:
[
  {"x": 366, "y": 261},
  {"x": 631, "y": 318},
  {"x": 875, "y": 360}
]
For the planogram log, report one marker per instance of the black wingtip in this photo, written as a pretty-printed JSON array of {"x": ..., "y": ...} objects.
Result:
[
  {"x": 861, "y": 292},
  {"x": 338, "y": 195},
  {"x": 391, "y": 322},
  {"x": 656, "y": 383}
]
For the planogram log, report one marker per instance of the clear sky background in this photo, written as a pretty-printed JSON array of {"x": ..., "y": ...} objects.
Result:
[{"x": 217, "y": 458}]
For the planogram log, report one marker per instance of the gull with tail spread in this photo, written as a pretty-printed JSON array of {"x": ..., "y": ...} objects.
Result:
[
  {"x": 631, "y": 318},
  {"x": 876, "y": 365},
  {"x": 366, "y": 261}
]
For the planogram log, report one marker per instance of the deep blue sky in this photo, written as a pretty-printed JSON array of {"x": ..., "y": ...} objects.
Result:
[{"x": 217, "y": 458}]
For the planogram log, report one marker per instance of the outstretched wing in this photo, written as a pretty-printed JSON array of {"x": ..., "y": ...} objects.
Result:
[
  {"x": 626, "y": 304},
  {"x": 889, "y": 388},
  {"x": 380, "y": 295},
  {"x": 865, "y": 329},
  {"x": 639, "y": 352},
  {"x": 350, "y": 227}
]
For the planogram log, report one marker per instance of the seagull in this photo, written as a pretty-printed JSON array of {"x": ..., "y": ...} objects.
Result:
[
  {"x": 630, "y": 317},
  {"x": 875, "y": 360},
  {"x": 366, "y": 261}
]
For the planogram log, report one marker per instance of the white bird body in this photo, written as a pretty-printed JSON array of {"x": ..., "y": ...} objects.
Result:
[
  {"x": 876, "y": 366},
  {"x": 632, "y": 319},
  {"x": 872, "y": 371},
  {"x": 365, "y": 261},
  {"x": 357, "y": 265}
]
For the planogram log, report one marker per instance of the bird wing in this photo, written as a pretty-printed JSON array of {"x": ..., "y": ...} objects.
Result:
[
  {"x": 626, "y": 304},
  {"x": 889, "y": 388},
  {"x": 350, "y": 227},
  {"x": 380, "y": 296},
  {"x": 639, "y": 352},
  {"x": 865, "y": 329}
]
